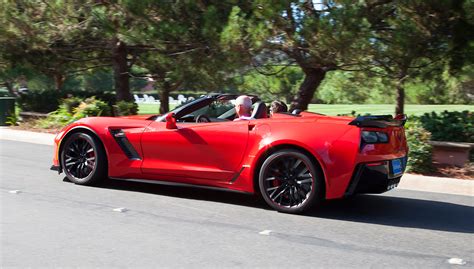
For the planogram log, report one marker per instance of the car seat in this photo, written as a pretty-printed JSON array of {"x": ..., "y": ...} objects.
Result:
[{"x": 259, "y": 111}]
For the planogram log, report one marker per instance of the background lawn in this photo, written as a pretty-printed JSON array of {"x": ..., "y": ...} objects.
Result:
[
  {"x": 347, "y": 109},
  {"x": 384, "y": 109},
  {"x": 150, "y": 108}
]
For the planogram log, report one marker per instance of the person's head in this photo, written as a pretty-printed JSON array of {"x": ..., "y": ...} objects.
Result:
[
  {"x": 243, "y": 106},
  {"x": 278, "y": 106}
]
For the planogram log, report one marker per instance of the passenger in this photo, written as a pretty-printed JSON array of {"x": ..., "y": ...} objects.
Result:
[
  {"x": 243, "y": 106},
  {"x": 278, "y": 106}
]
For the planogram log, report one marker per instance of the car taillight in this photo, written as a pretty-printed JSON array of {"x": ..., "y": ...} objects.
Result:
[{"x": 372, "y": 137}]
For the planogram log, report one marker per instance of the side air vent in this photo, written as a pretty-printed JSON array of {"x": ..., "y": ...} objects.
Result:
[{"x": 122, "y": 141}]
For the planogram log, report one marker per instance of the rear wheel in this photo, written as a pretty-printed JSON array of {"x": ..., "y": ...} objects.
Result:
[
  {"x": 83, "y": 159},
  {"x": 289, "y": 182}
]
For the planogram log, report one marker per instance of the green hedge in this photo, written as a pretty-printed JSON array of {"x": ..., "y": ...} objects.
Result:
[
  {"x": 72, "y": 109},
  {"x": 451, "y": 126},
  {"x": 49, "y": 100},
  {"x": 123, "y": 108}
]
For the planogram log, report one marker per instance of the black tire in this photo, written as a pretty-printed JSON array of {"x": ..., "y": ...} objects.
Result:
[
  {"x": 83, "y": 159},
  {"x": 290, "y": 182}
]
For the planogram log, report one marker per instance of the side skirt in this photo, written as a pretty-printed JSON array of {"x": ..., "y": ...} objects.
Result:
[{"x": 177, "y": 184}]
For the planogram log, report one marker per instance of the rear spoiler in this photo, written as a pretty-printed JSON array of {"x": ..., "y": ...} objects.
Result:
[{"x": 381, "y": 121}]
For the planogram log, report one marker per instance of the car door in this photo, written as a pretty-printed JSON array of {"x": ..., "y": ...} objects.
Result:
[{"x": 210, "y": 151}]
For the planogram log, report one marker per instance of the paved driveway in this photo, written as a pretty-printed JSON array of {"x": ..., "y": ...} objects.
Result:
[{"x": 46, "y": 221}]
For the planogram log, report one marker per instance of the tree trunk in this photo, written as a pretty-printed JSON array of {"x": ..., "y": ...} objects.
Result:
[
  {"x": 313, "y": 78},
  {"x": 400, "y": 98},
  {"x": 167, "y": 87},
  {"x": 400, "y": 106},
  {"x": 121, "y": 68},
  {"x": 164, "y": 98},
  {"x": 59, "y": 81}
]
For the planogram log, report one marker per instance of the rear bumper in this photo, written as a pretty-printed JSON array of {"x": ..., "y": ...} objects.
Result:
[{"x": 374, "y": 177}]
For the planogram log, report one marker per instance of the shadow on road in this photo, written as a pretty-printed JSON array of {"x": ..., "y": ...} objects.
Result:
[
  {"x": 374, "y": 209},
  {"x": 400, "y": 212}
]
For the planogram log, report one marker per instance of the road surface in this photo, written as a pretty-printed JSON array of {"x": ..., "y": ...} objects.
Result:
[{"x": 49, "y": 222}]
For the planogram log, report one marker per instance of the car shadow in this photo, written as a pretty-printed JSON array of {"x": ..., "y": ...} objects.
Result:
[
  {"x": 186, "y": 192},
  {"x": 399, "y": 212},
  {"x": 373, "y": 209}
]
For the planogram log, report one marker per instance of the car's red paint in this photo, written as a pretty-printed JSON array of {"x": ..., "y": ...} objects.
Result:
[
  {"x": 211, "y": 151},
  {"x": 227, "y": 154}
]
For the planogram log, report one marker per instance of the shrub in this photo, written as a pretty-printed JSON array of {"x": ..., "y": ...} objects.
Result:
[
  {"x": 92, "y": 107},
  {"x": 452, "y": 126},
  {"x": 12, "y": 120},
  {"x": 49, "y": 100},
  {"x": 40, "y": 100},
  {"x": 419, "y": 156},
  {"x": 124, "y": 108},
  {"x": 56, "y": 119},
  {"x": 71, "y": 103},
  {"x": 71, "y": 110}
]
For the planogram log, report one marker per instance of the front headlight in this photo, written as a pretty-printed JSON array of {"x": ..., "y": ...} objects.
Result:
[{"x": 371, "y": 137}]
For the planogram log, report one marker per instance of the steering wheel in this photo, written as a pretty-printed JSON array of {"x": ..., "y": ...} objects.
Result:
[{"x": 203, "y": 118}]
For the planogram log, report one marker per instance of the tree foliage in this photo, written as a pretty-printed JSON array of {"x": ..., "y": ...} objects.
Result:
[
  {"x": 283, "y": 48},
  {"x": 415, "y": 37},
  {"x": 317, "y": 37}
]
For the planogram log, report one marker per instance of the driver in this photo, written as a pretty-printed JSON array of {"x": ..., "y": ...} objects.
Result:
[{"x": 243, "y": 106}]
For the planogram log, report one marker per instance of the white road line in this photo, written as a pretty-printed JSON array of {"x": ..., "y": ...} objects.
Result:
[
  {"x": 120, "y": 209},
  {"x": 456, "y": 261},
  {"x": 265, "y": 232}
]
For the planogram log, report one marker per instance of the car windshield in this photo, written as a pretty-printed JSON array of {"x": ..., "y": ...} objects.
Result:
[{"x": 216, "y": 109}]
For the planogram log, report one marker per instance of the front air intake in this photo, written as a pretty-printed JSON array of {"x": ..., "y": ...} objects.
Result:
[{"x": 122, "y": 140}]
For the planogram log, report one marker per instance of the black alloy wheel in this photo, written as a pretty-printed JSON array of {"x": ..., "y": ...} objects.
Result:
[
  {"x": 289, "y": 182},
  {"x": 83, "y": 159}
]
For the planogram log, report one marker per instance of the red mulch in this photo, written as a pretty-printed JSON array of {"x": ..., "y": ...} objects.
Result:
[
  {"x": 30, "y": 126},
  {"x": 444, "y": 170}
]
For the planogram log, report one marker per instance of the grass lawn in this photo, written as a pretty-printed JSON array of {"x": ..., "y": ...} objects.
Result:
[
  {"x": 150, "y": 108},
  {"x": 347, "y": 109},
  {"x": 384, "y": 109}
]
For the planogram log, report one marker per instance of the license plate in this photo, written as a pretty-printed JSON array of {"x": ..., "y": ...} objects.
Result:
[{"x": 397, "y": 167}]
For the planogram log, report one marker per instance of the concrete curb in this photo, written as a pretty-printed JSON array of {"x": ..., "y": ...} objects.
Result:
[
  {"x": 437, "y": 184},
  {"x": 408, "y": 181}
]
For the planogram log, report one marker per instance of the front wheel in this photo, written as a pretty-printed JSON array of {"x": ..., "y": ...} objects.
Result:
[
  {"x": 289, "y": 182},
  {"x": 83, "y": 159}
]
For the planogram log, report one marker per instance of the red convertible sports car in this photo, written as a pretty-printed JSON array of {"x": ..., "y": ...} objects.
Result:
[{"x": 292, "y": 160}]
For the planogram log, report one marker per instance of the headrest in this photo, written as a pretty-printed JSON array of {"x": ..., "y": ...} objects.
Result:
[
  {"x": 296, "y": 111},
  {"x": 259, "y": 111}
]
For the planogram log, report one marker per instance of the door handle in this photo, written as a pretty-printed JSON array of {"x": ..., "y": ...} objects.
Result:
[{"x": 251, "y": 126}]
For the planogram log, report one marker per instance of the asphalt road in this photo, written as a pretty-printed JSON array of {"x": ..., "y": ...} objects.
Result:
[{"x": 54, "y": 223}]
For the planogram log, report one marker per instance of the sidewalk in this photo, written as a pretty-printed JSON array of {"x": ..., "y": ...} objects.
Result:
[
  {"x": 408, "y": 182},
  {"x": 26, "y": 136}
]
